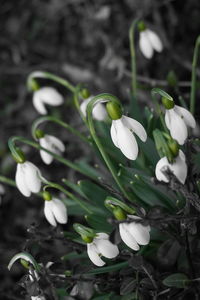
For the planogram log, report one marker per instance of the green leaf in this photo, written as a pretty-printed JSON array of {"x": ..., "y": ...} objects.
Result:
[
  {"x": 98, "y": 223},
  {"x": 178, "y": 280},
  {"x": 26, "y": 256},
  {"x": 87, "y": 169},
  {"x": 107, "y": 269}
]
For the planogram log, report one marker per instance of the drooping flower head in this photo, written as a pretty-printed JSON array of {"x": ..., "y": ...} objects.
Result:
[
  {"x": 134, "y": 233},
  {"x": 177, "y": 120},
  {"x": 28, "y": 178},
  {"x": 122, "y": 131},
  {"x": 101, "y": 246},
  {"x": 178, "y": 167},
  {"x": 50, "y": 143},
  {"x": 54, "y": 210},
  {"x": 148, "y": 41},
  {"x": 46, "y": 95}
]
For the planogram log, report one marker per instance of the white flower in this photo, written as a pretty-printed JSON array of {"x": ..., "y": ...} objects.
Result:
[
  {"x": 134, "y": 234},
  {"x": 38, "y": 297},
  {"x": 101, "y": 246},
  {"x": 52, "y": 144},
  {"x": 122, "y": 135},
  {"x": 55, "y": 211},
  {"x": 46, "y": 95},
  {"x": 178, "y": 167},
  {"x": 28, "y": 178},
  {"x": 148, "y": 42},
  {"x": 99, "y": 112},
  {"x": 177, "y": 120}
]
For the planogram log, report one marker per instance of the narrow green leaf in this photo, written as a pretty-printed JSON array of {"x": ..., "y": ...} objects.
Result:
[
  {"x": 107, "y": 269},
  {"x": 178, "y": 280}
]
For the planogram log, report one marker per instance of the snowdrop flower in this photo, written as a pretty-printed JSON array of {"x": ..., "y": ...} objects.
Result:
[
  {"x": 148, "y": 41},
  {"x": 99, "y": 112},
  {"x": 122, "y": 135},
  {"x": 54, "y": 210},
  {"x": 28, "y": 178},
  {"x": 134, "y": 234},
  {"x": 38, "y": 297},
  {"x": 177, "y": 120},
  {"x": 101, "y": 246},
  {"x": 50, "y": 143},
  {"x": 178, "y": 167},
  {"x": 46, "y": 95}
]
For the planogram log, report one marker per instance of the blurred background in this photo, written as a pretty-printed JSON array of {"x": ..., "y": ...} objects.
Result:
[{"x": 83, "y": 41}]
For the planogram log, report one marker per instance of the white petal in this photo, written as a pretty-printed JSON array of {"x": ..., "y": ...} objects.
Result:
[
  {"x": 55, "y": 143},
  {"x": 127, "y": 237},
  {"x": 99, "y": 112},
  {"x": 20, "y": 181},
  {"x": 46, "y": 157},
  {"x": 113, "y": 134},
  {"x": 94, "y": 255},
  {"x": 140, "y": 233},
  {"x": 176, "y": 126},
  {"x": 162, "y": 163},
  {"x": 106, "y": 248},
  {"x": 50, "y": 96},
  {"x": 145, "y": 45},
  {"x": 155, "y": 40},
  {"x": 32, "y": 179},
  {"x": 38, "y": 104},
  {"x": 59, "y": 211},
  {"x": 186, "y": 115},
  {"x": 83, "y": 106},
  {"x": 48, "y": 213},
  {"x": 179, "y": 168},
  {"x": 135, "y": 126},
  {"x": 126, "y": 140}
]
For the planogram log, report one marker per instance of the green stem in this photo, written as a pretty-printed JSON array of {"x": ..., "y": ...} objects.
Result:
[
  {"x": 133, "y": 58},
  {"x": 40, "y": 120},
  {"x": 64, "y": 191},
  {"x": 193, "y": 80},
  {"x": 77, "y": 104},
  {"x": 47, "y": 75},
  {"x": 68, "y": 163},
  {"x": 106, "y": 98},
  {"x": 8, "y": 181}
]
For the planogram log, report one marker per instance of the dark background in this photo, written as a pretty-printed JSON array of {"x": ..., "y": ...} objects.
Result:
[{"x": 84, "y": 41}]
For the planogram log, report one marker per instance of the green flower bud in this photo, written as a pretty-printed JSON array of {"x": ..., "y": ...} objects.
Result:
[
  {"x": 39, "y": 133},
  {"x": 68, "y": 273},
  {"x": 19, "y": 155},
  {"x": 141, "y": 26},
  {"x": 174, "y": 147},
  {"x": 168, "y": 104},
  {"x": 114, "y": 110},
  {"x": 24, "y": 263},
  {"x": 85, "y": 93},
  {"x": 87, "y": 239},
  {"x": 33, "y": 85},
  {"x": 46, "y": 196},
  {"x": 119, "y": 213}
]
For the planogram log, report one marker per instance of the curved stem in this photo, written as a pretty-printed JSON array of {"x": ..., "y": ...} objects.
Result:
[
  {"x": 64, "y": 191},
  {"x": 77, "y": 104},
  {"x": 40, "y": 120},
  {"x": 106, "y": 98},
  {"x": 133, "y": 58},
  {"x": 47, "y": 75},
  {"x": 68, "y": 163},
  {"x": 194, "y": 73}
]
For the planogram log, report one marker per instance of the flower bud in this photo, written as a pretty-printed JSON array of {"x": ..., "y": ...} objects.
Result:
[
  {"x": 114, "y": 110},
  {"x": 119, "y": 213},
  {"x": 24, "y": 263},
  {"x": 33, "y": 85},
  {"x": 87, "y": 239},
  {"x": 19, "y": 155},
  {"x": 174, "y": 147},
  {"x": 168, "y": 104},
  {"x": 39, "y": 133},
  {"x": 141, "y": 26},
  {"x": 85, "y": 93},
  {"x": 46, "y": 196},
  {"x": 172, "y": 79}
]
